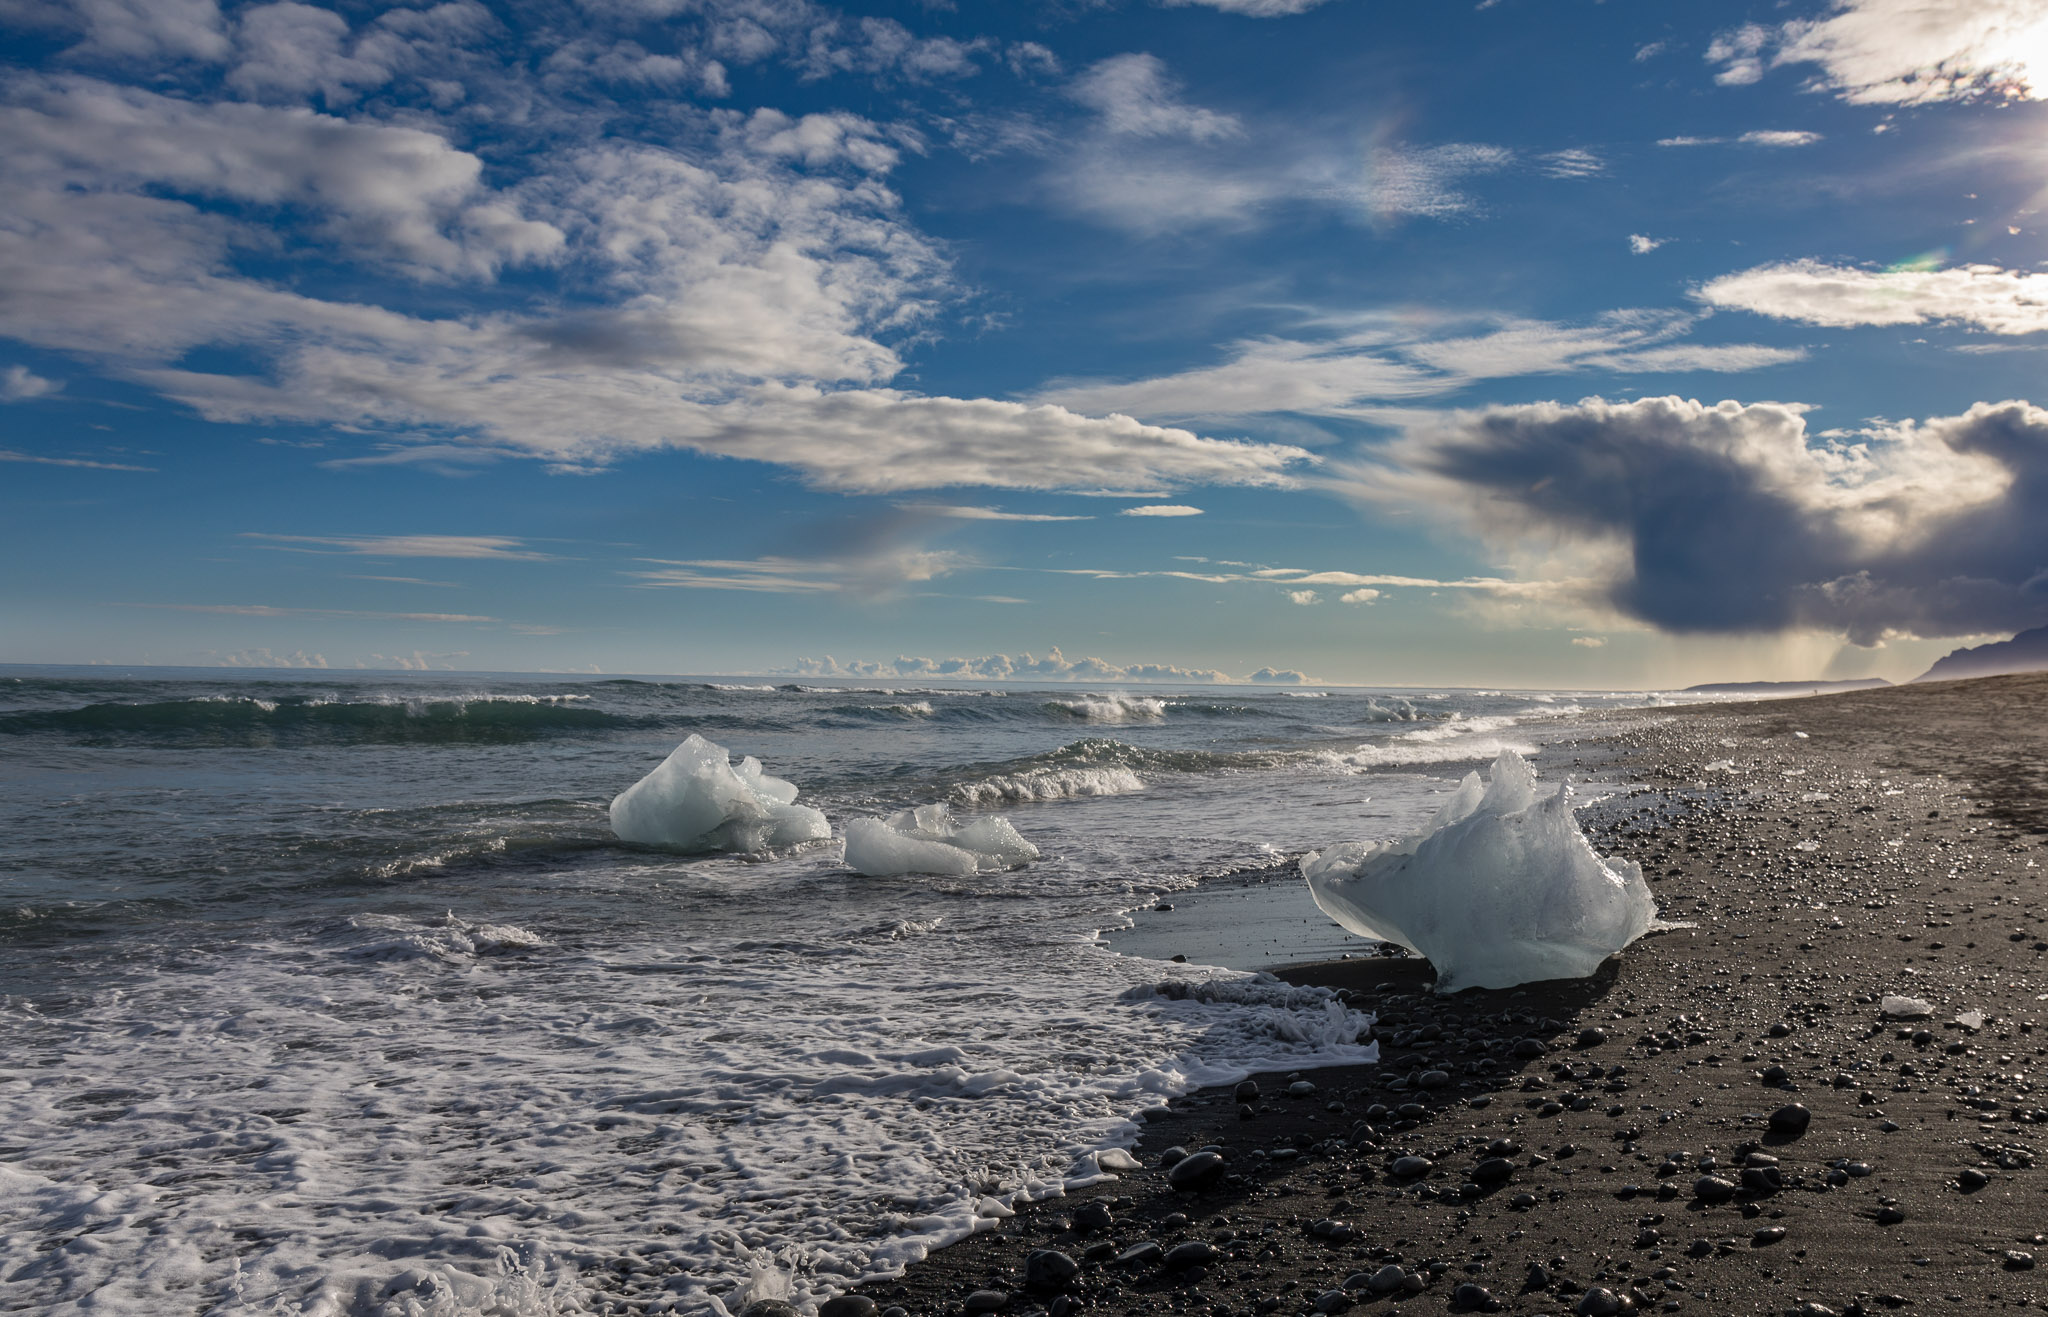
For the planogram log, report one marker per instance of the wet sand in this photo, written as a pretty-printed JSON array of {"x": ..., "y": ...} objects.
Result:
[{"x": 1607, "y": 1145}]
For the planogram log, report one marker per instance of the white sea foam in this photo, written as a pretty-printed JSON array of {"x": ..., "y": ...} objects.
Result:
[
  {"x": 1048, "y": 784},
  {"x": 1502, "y": 888},
  {"x": 1114, "y": 707},
  {"x": 927, "y": 840}
]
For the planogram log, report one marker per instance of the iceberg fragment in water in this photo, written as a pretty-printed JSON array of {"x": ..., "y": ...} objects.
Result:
[
  {"x": 926, "y": 840},
  {"x": 1502, "y": 888},
  {"x": 695, "y": 800}
]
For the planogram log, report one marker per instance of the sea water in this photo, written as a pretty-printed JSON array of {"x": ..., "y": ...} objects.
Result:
[{"x": 334, "y": 993}]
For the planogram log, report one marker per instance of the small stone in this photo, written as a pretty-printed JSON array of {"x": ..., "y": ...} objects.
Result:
[
  {"x": 1493, "y": 1170},
  {"x": 1767, "y": 1235},
  {"x": 1171, "y": 1155},
  {"x": 1093, "y": 1216},
  {"x": 1712, "y": 1189},
  {"x": 1776, "y": 1076},
  {"x": 768, "y": 1308},
  {"x": 1601, "y": 1302},
  {"x": 1046, "y": 1269},
  {"x": 1196, "y": 1171},
  {"x": 847, "y": 1305},
  {"x": 1301, "y": 1088},
  {"x": 1528, "y": 1049},
  {"x": 1194, "y": 1253},
  {"x": 1762, "y": 1179},
  {"x": 1333, "y": 1301},
  {"x": 1538, "y": 1278},
  {"x": 1248, "y": 1091},
  {"x": 1410, "y": 1167},
  {"x": 1592, "y": 1037},
  {"x": 1387, "y": 1279},
  {"x": 987, "y": 1301},
  {"x": 1790, "y": 1121},
  {"x": 1140, "y": 1255},
  {"x": 2015, "y": 1260},
  {"x": 1889, "y": 1216},
  {"x": 1972, "y": 1180},
  {"x": 1474, "y": 1297}
]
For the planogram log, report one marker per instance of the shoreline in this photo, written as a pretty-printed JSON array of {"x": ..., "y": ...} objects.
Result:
[{"x": 1830, "y": 851}]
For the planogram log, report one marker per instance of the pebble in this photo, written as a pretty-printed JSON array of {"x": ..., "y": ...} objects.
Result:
[
  {"x": 1093, "y": 1216},
  {"x": 1493, "y": 1170},
  {"x": 1889, "y": 1216},
  {"x": 847, "y": 1305},
  {"x": 1046, "y": 1269},
  {"x": 1196, "y": 1171},
  {"x": 2016, "y": 1260},
  {"x": 1387, "y": 1279},
  {"x": 1331, "y": 1301},
  {"x": 768, "y": 1308},
  {"x": 1790, "y": 1121},
  {"x": 1592, "y": 1037},
  {"x": 1248, "y": 1091},
  {"x": 1767, "y": 1235},
  {"x": 1194, "y": 1253},
  {"x": 1301, "y": 1088},
  {"x": 1474, "y": 1297},
  {"x": 1142, "y": 1254},
  {"x": 1410, "y": 1167},
  {"x": 1972, "y": 1180},
  {"x": 1602, "y": 1302},
  {"x": 1712, "y": 1189},
  {"x": 987, "y": 1301}
]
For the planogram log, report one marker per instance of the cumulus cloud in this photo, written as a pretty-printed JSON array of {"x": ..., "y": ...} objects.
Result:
[
  {"x": 1901, "y": 52},
  {"x": 19, "y": 384},
  {"x": 1985, "y": 297},
  {"x": 1305, "y": 598},
  {"x": 1735, "y": 519},
  {"x": 1395, "y": 358},
  {"x": 1280, "y": 677},
  {"x": 1054, "y": 666},
  {"x": 1358, "y": 596},
  {"x": 735, "y": 298},
  {"x": 1643, "y": 245}
]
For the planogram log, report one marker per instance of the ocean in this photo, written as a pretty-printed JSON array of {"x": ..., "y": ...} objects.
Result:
[{"x": 331, "y": 993}]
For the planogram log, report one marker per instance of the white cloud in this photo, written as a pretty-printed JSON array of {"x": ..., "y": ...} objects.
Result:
[
  {"x": 1280, "y": 677},
  {"x": 737, "y": 300},
  {"x": 280, "y": 610},
  {"x": 37, "y": 459},
  {"x": 1589, "y": 642},
  {"x": 1574, "y": 163},
  {"x": 1643, "y": 245},
  {"x": 1161, "y": 510},
  {"x": 1054, "y": 666},
  {"x": 1908, "y": 52},
  {"x": 986, "y": 514},
  {"x": 501, "y": 547},
  {"x": 1984, "y": 297},
  {"x": 1254, "y": 8},
  {"x": 1391, "y": 358},
  {"x": 1358, "y": 596},
  {"x": 1424, "y": 181},
  {"x": 263, "y": 658},
  {"x": 1733, "y": 519},
  {"x": 1778, "y": 137},
  {"x": 1134, "y": 97},
  {"x": 1303, "y": 597},
  {"x": 19, "y": 384}
]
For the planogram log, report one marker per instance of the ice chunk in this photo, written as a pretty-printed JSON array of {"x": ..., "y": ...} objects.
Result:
[
  {"x": 926, "y": 840},
  {"x": 1896, "y": 1007},
  {"x": 1502, "y": 888},
  {"x": 695, "y": 800},
  {"x": 1971, "y": 1020}
]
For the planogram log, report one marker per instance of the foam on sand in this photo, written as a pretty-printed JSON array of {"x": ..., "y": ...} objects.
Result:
[
  {"x": 1502, "y": 888},
  {"x": 695, "y": 800},
  {"x": 926, "y": 840}
]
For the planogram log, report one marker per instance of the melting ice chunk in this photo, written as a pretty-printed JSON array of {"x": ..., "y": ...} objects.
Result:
[
  {"x": 926, "y": 840},
  {"x": 695, "y": 800},
  {"x": 1502, "y": 888},
  {"x": 1898, "y": 1007}
]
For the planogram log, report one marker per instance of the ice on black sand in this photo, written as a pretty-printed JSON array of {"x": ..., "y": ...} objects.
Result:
[{"x": 1501, "y": 889}]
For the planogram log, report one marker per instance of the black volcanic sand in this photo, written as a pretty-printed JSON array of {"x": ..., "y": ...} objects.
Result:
[{"x": 1896, "y": 848}]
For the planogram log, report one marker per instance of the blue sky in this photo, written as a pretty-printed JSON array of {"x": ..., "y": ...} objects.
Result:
[{"x": 1542, "y": 342}]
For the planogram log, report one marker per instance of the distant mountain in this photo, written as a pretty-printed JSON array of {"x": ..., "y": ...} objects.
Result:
[
  {"x": 2025, "y": 652},
  {"x": 1785, "y": 688}
]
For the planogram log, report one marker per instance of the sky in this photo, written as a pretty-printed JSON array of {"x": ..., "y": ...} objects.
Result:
[{"x": 1535, "y": 343}]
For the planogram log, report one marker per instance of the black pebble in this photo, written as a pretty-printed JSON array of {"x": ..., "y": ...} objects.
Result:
[
  {"x": 1592, "y": 1037},
  {"x": 1790, "y": 1121},
  {"x": 1046, "y": 1269},
  {"x": 847, "y": 1305},
  {"x": 1197, "y": 1171}
]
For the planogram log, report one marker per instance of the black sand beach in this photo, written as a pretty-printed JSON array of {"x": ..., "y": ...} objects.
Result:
[{"x": 1721, "y": 1121}]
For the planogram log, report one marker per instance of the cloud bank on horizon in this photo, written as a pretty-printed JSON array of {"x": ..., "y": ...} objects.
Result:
[{"x": 973, "y": 329}]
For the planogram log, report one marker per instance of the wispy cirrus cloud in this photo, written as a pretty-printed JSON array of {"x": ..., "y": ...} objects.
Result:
[
  {"x": 277, "y": 610},
  {"x": 959, "y": 513},
  {"x": 1358, "y": 367},
  {"x": 502, "y": 547},
  {"x": 39, "y": 459}
]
